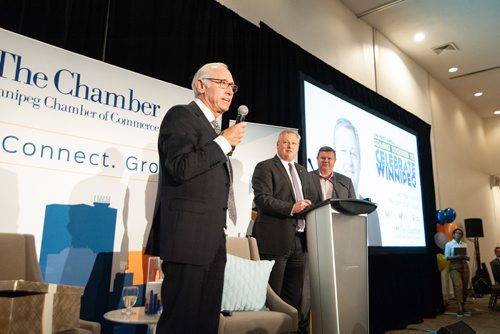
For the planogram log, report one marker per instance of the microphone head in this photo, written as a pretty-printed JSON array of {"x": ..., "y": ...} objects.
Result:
[
  {"x": 310, "y": 163},
  {"x": 243, "y": 110}
]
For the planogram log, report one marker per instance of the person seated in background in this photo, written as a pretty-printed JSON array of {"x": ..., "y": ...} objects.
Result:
[
  {"x": 330, "y": 184},
  {"x": 495, "y": 266},
  {"x": 458, "y": 270}
]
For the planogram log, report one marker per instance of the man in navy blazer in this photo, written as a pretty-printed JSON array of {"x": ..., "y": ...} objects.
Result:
[
  {"x": 190, "y": 214},
  {"x": 278, "y": 229},
  {"x": 330, "y": 184}
]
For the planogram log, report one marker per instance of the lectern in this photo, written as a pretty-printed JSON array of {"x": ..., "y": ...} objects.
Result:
[{"x": 338, "y": 266}]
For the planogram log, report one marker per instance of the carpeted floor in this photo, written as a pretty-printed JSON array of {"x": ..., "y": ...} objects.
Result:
[{"x": 482, "y": 319}]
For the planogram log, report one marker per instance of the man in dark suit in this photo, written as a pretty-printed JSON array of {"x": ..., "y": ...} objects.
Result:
[
  {"x": 190, "y": 215},
  {"x": 281, "y": 191},
  {"x": 330, "y": 184}
]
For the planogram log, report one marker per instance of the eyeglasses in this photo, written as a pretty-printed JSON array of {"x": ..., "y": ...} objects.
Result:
[{"x": 223, "y": 83}]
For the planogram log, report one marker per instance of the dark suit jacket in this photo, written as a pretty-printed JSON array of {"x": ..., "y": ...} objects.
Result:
[
  {"x": 342, "y": 185},
  {"x": 190, "y": 214},
  {"x": 274, "y": 227}
]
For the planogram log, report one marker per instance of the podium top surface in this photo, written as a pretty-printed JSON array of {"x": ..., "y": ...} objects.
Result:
[{"x": 349, "y": 206}]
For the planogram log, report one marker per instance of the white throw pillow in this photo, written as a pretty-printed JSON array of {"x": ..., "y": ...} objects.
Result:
[{"x": 245, "y": 284}]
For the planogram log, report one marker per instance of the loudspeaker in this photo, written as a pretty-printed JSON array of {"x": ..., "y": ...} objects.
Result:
[
  {"x": 473, "y": 227},
  {"x": 457, "y": 328}
]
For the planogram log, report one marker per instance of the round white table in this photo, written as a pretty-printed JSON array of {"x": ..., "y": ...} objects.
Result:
[{"x": 138, "y": 318}]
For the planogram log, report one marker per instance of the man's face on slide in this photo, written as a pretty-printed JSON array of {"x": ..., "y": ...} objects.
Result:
[{"x": 348, "y": 159}]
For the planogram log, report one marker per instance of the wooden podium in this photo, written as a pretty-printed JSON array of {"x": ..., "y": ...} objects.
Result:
[{"x": 338, "y": 266}]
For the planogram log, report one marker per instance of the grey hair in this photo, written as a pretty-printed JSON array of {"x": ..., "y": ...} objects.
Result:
[
  {"x": 203, "y": 72},
  {"x": 345, "y": 123},
  {"x": 287, "y": 131}
]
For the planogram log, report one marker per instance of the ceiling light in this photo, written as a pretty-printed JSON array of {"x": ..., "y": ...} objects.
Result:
[
  {"x": 497, "y": 112},
  {"x": 478, "y": 94},
  {"x": 453, "y": 69},
  {"x": 419, "y": 37}
]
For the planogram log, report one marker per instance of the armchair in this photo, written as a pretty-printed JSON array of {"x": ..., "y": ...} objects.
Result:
[
  {"x": 18, "y": 261},
  {"x": 281, "y": 317}
]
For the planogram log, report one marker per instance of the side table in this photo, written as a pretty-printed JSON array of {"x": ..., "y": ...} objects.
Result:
[{"x": 138, "y": 318}]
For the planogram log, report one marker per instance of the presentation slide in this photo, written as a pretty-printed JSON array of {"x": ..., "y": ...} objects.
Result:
[{"x": 380, "y": 158}]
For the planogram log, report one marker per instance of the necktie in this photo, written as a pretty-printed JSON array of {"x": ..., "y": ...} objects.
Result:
[
  {"x": 298, "y": 192},
  {"x": 231, "y": 206},
  {"x": 216, "y": 126}
]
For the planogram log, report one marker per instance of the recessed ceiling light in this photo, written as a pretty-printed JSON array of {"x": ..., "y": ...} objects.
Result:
[
  {"x": 497, "y": 112},
  {"x": 478, "y": 94},
  {"x": 453, "y": 69},
  {"x": 419, "y": 37}
]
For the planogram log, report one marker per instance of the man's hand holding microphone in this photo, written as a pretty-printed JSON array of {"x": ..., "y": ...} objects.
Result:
[{"x": 234, "y": 134}]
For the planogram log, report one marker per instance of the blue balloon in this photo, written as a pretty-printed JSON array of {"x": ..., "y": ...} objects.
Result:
[
  {"x": 441, "y": 216},
  {"x": 450, "y": 215}
]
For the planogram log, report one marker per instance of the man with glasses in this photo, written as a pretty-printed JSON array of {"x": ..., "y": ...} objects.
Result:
[{"x": 190, "y": 213}]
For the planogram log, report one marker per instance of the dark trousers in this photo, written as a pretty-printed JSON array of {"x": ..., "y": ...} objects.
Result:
[
  {"x": 287, "y": 276},
  {"x": 191, "y": 296}
]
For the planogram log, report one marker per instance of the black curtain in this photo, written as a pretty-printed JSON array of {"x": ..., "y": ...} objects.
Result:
[
  {"x": 75, "y": 25},
  {"x": 170, "y": 39}
]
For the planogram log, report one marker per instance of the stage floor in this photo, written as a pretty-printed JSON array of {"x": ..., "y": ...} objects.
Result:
[{"x": 482, "y": 320}]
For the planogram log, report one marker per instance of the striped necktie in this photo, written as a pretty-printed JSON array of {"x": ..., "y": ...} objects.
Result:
[
  {"x": 230, "y": 202},
  {"x": 298, "y": 192},
  {"x": 231, "y": 206},
  {"x": 216, "y": 126}
]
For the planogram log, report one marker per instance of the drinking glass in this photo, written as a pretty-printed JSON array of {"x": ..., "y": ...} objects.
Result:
[{"x": 129, "y": 296}]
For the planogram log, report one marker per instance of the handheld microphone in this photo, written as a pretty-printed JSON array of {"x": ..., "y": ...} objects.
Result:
[{"x": 242, "y": 113}]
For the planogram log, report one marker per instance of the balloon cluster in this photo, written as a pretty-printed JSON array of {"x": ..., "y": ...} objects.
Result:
[
  {"x": 445, "y": 216},
  {"x": 445, "y": 226}
]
